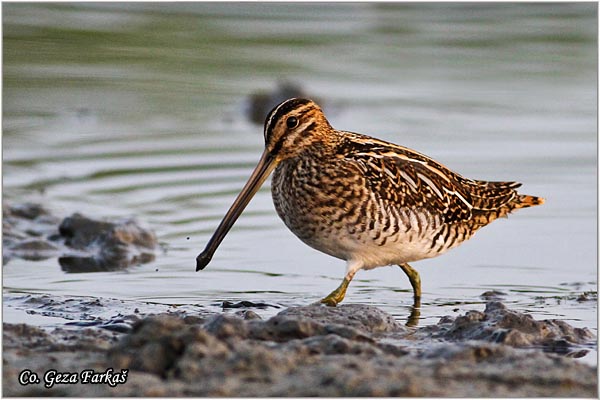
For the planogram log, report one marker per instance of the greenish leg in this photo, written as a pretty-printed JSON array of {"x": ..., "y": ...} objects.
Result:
[
  {"x": 337, "y": 295},
  {"x": 415, "y": 280}
]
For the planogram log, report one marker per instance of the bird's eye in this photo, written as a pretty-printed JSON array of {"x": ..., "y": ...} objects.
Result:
[{"x": 292, "y": 122}]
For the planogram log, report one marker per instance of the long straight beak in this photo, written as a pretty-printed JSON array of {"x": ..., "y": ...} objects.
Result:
[{"x": 265, "y": 166}]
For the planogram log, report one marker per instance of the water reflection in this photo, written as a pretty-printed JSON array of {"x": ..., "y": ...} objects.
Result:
[
  {"x": 415, "y": 314},
  {"x": 86, "y": 264}
]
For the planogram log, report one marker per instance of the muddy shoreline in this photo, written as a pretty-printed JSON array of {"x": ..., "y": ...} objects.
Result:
[
  {"x": 351, "y": 350},
  {"x": 93, "y": 346}
]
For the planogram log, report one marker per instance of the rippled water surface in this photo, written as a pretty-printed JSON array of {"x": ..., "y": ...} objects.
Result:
[{"x": 141, "y": 110}]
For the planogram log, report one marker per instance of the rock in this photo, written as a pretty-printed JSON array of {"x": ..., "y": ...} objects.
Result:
[
  {"x": 80, "y": 232},
  {"x": 492, "y": 295},
  {"x": 246, "y": 304},
  {"x": 116, "y": 325},
  {"x": 107, "y": 245},
  {"x": 81, "y": 244}
]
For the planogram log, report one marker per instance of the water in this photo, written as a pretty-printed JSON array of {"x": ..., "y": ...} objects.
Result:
[{"x": 139, "y": 110}]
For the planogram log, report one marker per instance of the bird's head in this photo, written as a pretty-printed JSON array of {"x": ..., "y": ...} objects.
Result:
[{"x": 294, "y": 126}]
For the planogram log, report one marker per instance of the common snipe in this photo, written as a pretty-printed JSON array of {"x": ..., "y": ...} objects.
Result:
[{"x": 366, "y": 201}]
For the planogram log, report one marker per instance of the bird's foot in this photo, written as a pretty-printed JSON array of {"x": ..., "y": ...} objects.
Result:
[
  {"x": 336, "y": 297},
  {"x": 329, "y": 301}
]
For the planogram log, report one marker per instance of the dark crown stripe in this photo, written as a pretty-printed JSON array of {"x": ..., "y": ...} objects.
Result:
[{"x": 282, "y": 109}]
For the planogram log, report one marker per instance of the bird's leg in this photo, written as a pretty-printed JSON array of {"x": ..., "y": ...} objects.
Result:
[
  {"x": 335, "y": 297},
  {"x": 415, "y": 280}
]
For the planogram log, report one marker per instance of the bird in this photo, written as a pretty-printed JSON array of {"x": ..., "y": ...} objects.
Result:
[{"x": 367, "y": 201}]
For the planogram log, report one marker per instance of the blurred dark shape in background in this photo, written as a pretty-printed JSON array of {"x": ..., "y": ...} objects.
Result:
[{"x": 260, "y": 103}]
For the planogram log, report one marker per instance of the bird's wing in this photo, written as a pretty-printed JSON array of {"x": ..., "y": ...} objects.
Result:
[
  {"x": 490, "y": 195},
  {"x": 402, "y": 177}
]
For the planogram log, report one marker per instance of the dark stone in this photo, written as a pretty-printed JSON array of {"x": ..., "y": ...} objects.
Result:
[
  {"x": 114, "y": 326},
  {"x": 111, "y": 244},
  {"x": 80, "y": 243},
  {"x": 492, "y": 295},
  {"x": 261, "y": 103},
  {"x": 246, "y": 304}
]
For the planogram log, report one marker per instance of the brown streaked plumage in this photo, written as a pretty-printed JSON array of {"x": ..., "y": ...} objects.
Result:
[{"x": 364, "y": 200}]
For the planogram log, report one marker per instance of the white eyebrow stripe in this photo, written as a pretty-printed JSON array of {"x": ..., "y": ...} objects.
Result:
[{"x": 270, "y": 121}]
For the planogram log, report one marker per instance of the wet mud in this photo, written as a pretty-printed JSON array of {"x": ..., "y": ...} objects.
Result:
[
  {"x": 89, "y": 346},
  {"x": 351, "y": 350}
]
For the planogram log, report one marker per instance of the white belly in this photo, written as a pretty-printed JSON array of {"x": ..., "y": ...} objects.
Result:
[{"x": 397, "y": 249}]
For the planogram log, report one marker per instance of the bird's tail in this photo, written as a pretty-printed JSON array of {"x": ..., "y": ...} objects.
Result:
[
  {"x": 523, "y": 201},
  {"x": 520, "y": 201}
]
